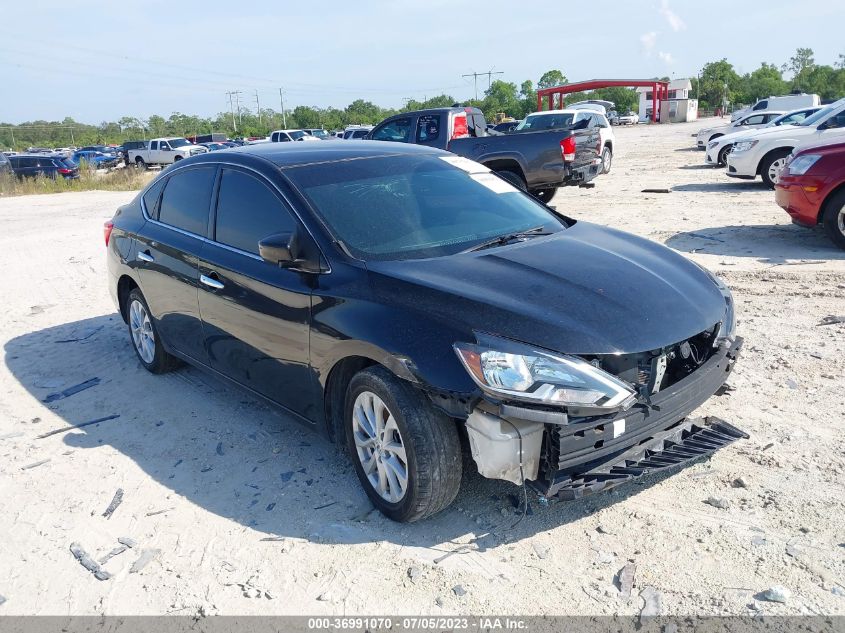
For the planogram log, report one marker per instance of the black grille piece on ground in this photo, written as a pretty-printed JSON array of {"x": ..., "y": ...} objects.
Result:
[{"x": 685, "y": 442}]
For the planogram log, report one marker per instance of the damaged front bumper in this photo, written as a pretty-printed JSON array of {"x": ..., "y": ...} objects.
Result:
[{"x": 570, "y": 457}]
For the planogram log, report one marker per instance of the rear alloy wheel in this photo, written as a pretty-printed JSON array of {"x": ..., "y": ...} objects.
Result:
[
  {"x": 723, "y": 154},
  {"x": 772, "y": 165},
  {"x": 144, "y": 337},
  {"x": 140, "y": 164},
  {"x": 606, "y": 160},
  {"x": 406, "y": 453},
  {"x": 834, "y": 219}
]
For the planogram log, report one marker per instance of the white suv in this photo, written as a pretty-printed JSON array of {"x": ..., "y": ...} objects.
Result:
[{"x": 764, "y": 152}]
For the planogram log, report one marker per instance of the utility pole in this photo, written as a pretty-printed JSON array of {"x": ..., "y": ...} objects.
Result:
[
  {"x": 282, "y": 101},
  {"x": 232, "y": 110},
  {"x": 237, "y": 94},
  {"x": 489, "y": 74},
  {"x": 258, "y": 107}
]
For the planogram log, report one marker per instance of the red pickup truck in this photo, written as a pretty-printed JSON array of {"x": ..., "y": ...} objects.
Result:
[{"x": 811, "y": 188}]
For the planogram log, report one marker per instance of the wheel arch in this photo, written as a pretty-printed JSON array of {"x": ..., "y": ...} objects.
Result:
[
  {"x": 783, "y": 148},
  {"x": 125, "y": 285},
  {"x": 823, "y": 206},
  {"x": 506, "y": 164}
]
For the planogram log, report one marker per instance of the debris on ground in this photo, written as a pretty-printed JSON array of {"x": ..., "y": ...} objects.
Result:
[
  {"x": 459, "y": 590},
  {"x": 831, "y": 320},
  {"x": 718, "y": 502},
  {"x": 116, "y": 501},
  {"x": 653, "y": 603},
  {"x": 414, "y": 573},
  {"x": 72, "y": 391},
  {"x": 77, "y": 426},
  {"x": 147, "y": 556},
  {"x": 656, "y": 191},
  {"x": 777, "y": 593},
  {"x": 114, "y": 552},
  {"x": 740, "y": 482},
  {"x": 88, "y": 563},
  {"x": 625, "y": 580},
  {"x": 35, "y": 465},
  {"x": 541, "y": 550}
]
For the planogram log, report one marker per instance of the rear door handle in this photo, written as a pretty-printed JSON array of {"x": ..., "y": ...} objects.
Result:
[
  {"x": 211, "y": 282},
  {"x": 145, "y": 256}
]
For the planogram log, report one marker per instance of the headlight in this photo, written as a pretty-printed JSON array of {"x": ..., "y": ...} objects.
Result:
[
  {"x": 800, "y": 165},
  {"x": 505, "y": 368},
  {"x": 744, "y": 146},
  {"x": 712, "y": 144}
]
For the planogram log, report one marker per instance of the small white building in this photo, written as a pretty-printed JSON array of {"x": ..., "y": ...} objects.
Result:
[{"x": 678, "y": 107}]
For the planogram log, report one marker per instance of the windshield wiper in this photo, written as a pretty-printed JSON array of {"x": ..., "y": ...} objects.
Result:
[{"x": 509, "y": 237}]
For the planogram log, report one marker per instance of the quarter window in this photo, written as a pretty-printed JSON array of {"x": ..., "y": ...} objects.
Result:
[
  {"x": 186, "y": 199},
  {"x": 248, "y": 211},
  {"x": 428, "y": 128},
  {"x": 151, "y": 197}
]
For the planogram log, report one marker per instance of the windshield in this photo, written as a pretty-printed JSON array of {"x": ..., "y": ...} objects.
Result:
[
  {"x": 411, "y": 207},
  {"x": 319, "y": 133},
  {"x": 179, "y": 142},
  {"x": 549, "y": 121},
  {"x": 821, "y": 114}
]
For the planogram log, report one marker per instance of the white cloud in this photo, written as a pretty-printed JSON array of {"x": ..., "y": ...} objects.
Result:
[
  {"x": 672, "y": 18},
  {"x": 666, "y": 57},
  {"x": 648, "y": 40}
]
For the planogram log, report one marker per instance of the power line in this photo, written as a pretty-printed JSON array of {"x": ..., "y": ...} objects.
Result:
[{"x": 476, "y": 75}]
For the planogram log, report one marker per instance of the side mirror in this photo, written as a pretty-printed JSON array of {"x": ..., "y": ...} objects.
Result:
[{"x": 280, "y": 249}]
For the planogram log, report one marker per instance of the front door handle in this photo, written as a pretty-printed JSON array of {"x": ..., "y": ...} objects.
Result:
[
  {"x": 211, "y": 282},
  {"x": 145, "y": 256}
]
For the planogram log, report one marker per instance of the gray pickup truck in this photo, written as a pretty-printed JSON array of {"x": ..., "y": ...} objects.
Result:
[{"x": 538, "y": 162}]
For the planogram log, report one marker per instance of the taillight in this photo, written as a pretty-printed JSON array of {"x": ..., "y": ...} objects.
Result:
[
  {"x": 567, "y": 149},
  {"x": 64, "y": 171},
  {"x": 107, "y": 229},
  {"x": 459, "y": 127}
]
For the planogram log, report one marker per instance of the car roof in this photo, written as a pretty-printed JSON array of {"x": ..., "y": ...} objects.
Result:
[
  {"x": 293, "y": 154},
  {"x": 37, "y": 155}
]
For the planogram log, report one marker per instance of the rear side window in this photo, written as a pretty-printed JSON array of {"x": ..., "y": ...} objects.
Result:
[
  {"x": 151, "y": 197},
  {"x": 359, "y": 134},
  {"x": 428, "y": 128},
  {"x": 248, "y": 211},
  {"x": 186, "y": 198}
]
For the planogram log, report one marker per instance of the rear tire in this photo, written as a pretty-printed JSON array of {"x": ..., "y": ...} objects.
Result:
[
  {"x": 140, "y": 164},
  {"x": 771, "y": 165},
  {"x": 393, "y": 431},
  {"x": 544, "y": 195},
  {"x": 606, "y": 160},
  {"x": 144, "y": 337},
  {"x": 177, "y": 158},
  {"x": 834, "y": 219},
  {"x": 514, "y": 178}
]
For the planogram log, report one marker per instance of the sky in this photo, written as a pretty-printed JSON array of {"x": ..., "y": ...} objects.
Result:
[{"x": 100, "y": 60}]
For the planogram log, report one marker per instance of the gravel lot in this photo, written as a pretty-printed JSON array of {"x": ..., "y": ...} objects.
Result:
[{"x": 233, "y": 509}]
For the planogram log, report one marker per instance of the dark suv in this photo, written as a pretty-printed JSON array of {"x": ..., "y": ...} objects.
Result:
[
  {"x": 50, "y": 166},
  {"x": 395, "y": 297}
]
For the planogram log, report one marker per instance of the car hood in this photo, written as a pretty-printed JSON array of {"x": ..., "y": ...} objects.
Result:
[
  {"x": 584, "y": 290},
  {"x": 782, "y": 131}
]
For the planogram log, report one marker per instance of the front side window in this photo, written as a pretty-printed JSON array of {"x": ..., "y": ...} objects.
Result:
[
  {"x": 396, "y": 130},
  {"x": 184, "y": 203},
  {"x": 248, "y": 211},
  {"x": 409, "y": 207},
  {"x": 757, "y": 119},
  {"x": 761, "y": 105}
]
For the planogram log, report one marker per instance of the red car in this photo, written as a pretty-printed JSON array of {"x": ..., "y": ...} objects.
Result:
[{"x": 812, "y": 188}]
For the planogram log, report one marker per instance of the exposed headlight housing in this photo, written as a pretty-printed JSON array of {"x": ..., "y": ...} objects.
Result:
[
  {"x": 744, "y": 146},
  {"x": 726, "y": 333},
  {"x": 800, "y": 165},
  {"x": 504, "y": 368}
]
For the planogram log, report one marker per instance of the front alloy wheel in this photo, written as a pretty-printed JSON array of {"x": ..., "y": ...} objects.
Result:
[
  {"x": 379, "y": 446},
  {"x": 406, "y": 453}
]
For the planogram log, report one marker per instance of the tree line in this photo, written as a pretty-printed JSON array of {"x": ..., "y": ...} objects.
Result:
[{"x": 717, "y": 82}]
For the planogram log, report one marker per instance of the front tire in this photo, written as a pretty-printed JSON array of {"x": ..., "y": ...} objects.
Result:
[
  {"x": 723, "y": 154},
  {"x": 606, "y": 160},
  {"x": 406, "y": 453},
  {"x": 834, "y": 219},
  {"x": 771, "y": 166},
  {"x": 140, "y": 164},
  {"x": 144, "y": 337}
]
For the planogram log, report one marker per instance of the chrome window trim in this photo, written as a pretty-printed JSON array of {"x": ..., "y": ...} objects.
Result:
[{"x": 261, "y": 178}]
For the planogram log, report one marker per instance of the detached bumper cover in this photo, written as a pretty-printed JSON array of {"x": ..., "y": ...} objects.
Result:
[{"x": 684, "y": 443}]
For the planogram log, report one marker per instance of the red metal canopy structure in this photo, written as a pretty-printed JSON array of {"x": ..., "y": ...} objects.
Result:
[{"x": 659, "y": 90}]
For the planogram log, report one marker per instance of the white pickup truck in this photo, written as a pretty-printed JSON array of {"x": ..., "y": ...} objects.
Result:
[{"x": 164, "y": 151}]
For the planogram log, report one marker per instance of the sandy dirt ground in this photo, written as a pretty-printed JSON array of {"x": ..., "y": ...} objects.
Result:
[{"x": 229, "y": 508}]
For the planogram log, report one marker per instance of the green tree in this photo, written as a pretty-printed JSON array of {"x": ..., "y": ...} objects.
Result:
[
  {"x": 802, "y": 61},
  {"x": 501, "y": 96},
  {"x": 718, "y": 81},
  {"x": 766, "y": 81},
  {"x": 551, "y": 78}
]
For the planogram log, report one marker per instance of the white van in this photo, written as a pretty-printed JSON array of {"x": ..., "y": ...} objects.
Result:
[{"x": 785, "y": 103}]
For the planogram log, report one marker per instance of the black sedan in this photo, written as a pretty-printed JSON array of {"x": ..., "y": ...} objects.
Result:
[{"x": 395, "y": 297}]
